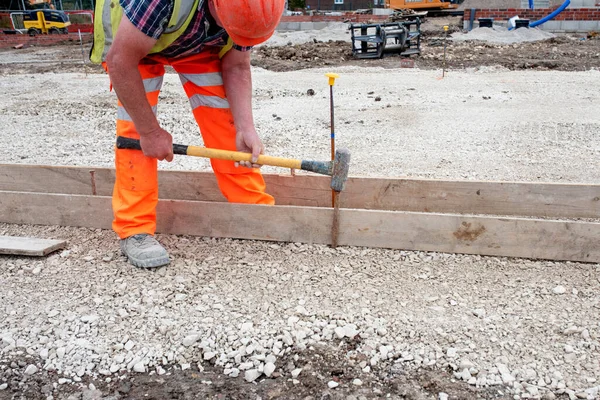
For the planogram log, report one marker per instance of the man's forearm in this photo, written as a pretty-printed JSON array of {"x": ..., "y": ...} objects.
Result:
[
  {"x": 128, "y": 84},
  {"x": 237, "y": 80}
]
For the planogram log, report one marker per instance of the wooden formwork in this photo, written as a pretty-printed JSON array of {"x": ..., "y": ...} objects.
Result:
[{"x": 514, "y": 219}]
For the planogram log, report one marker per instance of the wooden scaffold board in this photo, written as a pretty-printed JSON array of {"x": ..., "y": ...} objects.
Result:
[{"x": 484, "y": 218}]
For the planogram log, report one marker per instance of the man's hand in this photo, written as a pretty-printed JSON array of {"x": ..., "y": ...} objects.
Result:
[
  {"x": 157, "y": 144},
  {"x": 249, "y": 142}
]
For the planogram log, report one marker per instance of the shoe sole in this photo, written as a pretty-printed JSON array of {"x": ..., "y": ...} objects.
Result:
[{"x": 151, "y": 263}]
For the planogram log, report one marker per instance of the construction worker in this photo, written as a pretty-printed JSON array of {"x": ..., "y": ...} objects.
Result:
[{"x": 208, "y": 43}]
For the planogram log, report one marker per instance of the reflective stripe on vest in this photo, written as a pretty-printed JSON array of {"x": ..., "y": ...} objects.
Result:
[{"x": 107, "y": 18}]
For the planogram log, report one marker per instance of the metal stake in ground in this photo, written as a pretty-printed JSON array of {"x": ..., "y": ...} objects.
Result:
[
  {"x": 82, "y": 52},
  {"x": 445, "y": 41},
  {"x": 332, "y": 77}
]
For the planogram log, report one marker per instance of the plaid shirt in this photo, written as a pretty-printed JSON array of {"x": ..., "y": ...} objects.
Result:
[{"x": 152, "y": 16}]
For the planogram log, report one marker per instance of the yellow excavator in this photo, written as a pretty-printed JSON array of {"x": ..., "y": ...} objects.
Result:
[{"x": 422, "y": 5}]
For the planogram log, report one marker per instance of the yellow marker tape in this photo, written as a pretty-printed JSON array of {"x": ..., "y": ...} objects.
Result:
[{"x": 445, "y": 27}]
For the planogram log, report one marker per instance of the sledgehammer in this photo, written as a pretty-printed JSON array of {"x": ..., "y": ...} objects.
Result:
[{"x": 337, "y": 169}]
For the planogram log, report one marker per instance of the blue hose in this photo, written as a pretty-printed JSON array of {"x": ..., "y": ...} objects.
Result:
[
  {"x": 549, "y": 16},
  {"x": 531, "y": 4}
]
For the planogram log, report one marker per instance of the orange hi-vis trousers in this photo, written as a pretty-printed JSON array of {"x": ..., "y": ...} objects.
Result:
[{"x": 135, "y": 194}]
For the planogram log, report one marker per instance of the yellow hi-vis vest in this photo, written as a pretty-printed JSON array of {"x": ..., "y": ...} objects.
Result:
[{"x": 107, "y": 17}]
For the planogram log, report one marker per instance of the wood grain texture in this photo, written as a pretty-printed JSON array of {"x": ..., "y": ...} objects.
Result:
[
  {"x": 511, "y": 237},
  {"x": 27, "y": 246},
  {"x": 418, "y": 195}
]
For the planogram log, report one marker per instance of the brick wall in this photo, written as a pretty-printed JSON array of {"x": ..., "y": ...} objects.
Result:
[
  {"x": 8, "y": 41},
  {"x": 575, "y": 14}
]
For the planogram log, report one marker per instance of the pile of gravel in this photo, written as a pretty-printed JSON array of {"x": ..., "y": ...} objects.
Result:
[
  {"x": 499, "y": 35},
  {"x": 334, "y": 31}
]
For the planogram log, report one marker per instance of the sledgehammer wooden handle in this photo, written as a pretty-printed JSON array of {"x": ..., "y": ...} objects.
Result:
[{"x": 197, "y": 151}]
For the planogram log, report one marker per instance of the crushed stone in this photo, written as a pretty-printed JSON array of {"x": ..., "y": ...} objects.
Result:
[{"x": 500, "y": 35}]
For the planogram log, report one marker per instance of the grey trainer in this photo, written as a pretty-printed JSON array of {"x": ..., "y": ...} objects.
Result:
[{"x": 144, "y": 251}]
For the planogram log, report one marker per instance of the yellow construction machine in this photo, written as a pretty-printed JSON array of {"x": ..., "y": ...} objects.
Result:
[
  {"x": 45, "y": 21},
  {"x": 422, "y": 4}
]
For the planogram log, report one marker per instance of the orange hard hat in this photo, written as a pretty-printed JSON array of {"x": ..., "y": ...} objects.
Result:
[{"x": 249, "y": 22}]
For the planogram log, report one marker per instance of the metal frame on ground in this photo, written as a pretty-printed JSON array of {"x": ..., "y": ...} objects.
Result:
[{"x": 471, "y": 217}]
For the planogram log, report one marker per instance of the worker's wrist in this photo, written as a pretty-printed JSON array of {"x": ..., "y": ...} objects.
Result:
[{"x": 148, "y": 129}]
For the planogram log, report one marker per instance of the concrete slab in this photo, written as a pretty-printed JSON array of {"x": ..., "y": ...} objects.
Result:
[
  {"x": 570, "y": 26},
  {"x": 588, "y": 26}
]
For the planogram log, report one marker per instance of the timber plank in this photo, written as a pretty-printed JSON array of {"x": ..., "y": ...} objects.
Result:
[
  {"x": 402, "y": 194},
  {"x": 511, "y": 237},
  {"x": 28, "y": 246}
]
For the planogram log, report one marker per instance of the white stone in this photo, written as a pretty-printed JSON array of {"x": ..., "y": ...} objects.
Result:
[
  {"x": 251, "y": 375},
  {"x": 44, "y": 354},
  {"x": 3, "y": 386},
  {"x": 569, "y": 349},
  {"x": 60, "y": 352},
  {"x": 442, "y": 396},
  {"x": 465, "y": 375},
  {"x": 332, "y": 384},
  {"x": 532, "y": 390},
  {"x": 271, "y": 358},
  {"x": 190, "y": 340},
  {"x": 89, "y": 318},
  {"x": 246, "y": 365},
  {"x": 139, "y": 367},
  {"x": 31, "y": 369},
  {"x": 451, "y": 352},
  {"x": 209, "y": 355},
  {"x": 339, "y": 332},
  {"x": 559, "y": 290},
  {"x": 350, "y": 331},
  {"x": 296, "y": 372},
  {"x": 246, "y": 326},
  {"x": 357, "y": 382},
  {"x": 268, "y": 369}
]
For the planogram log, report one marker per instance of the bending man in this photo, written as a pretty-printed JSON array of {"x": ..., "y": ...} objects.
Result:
[{"x": 208, "y": 44}]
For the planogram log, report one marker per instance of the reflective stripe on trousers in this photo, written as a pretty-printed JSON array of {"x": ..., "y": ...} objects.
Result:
[{"x": 135, "y": 194}]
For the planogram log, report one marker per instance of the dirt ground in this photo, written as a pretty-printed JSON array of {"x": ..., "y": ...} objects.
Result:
[
  {"x": 321, "y": 365},
  {"x": 569, "y": 52}
]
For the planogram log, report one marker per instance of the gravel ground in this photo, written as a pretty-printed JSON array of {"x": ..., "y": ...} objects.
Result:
[
  {"x": 487, "y": 124},
  {"x": 322, "y": 323}
]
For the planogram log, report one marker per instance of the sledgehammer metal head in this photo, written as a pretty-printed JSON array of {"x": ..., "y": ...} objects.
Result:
[{"x": 338, "y": 168}]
